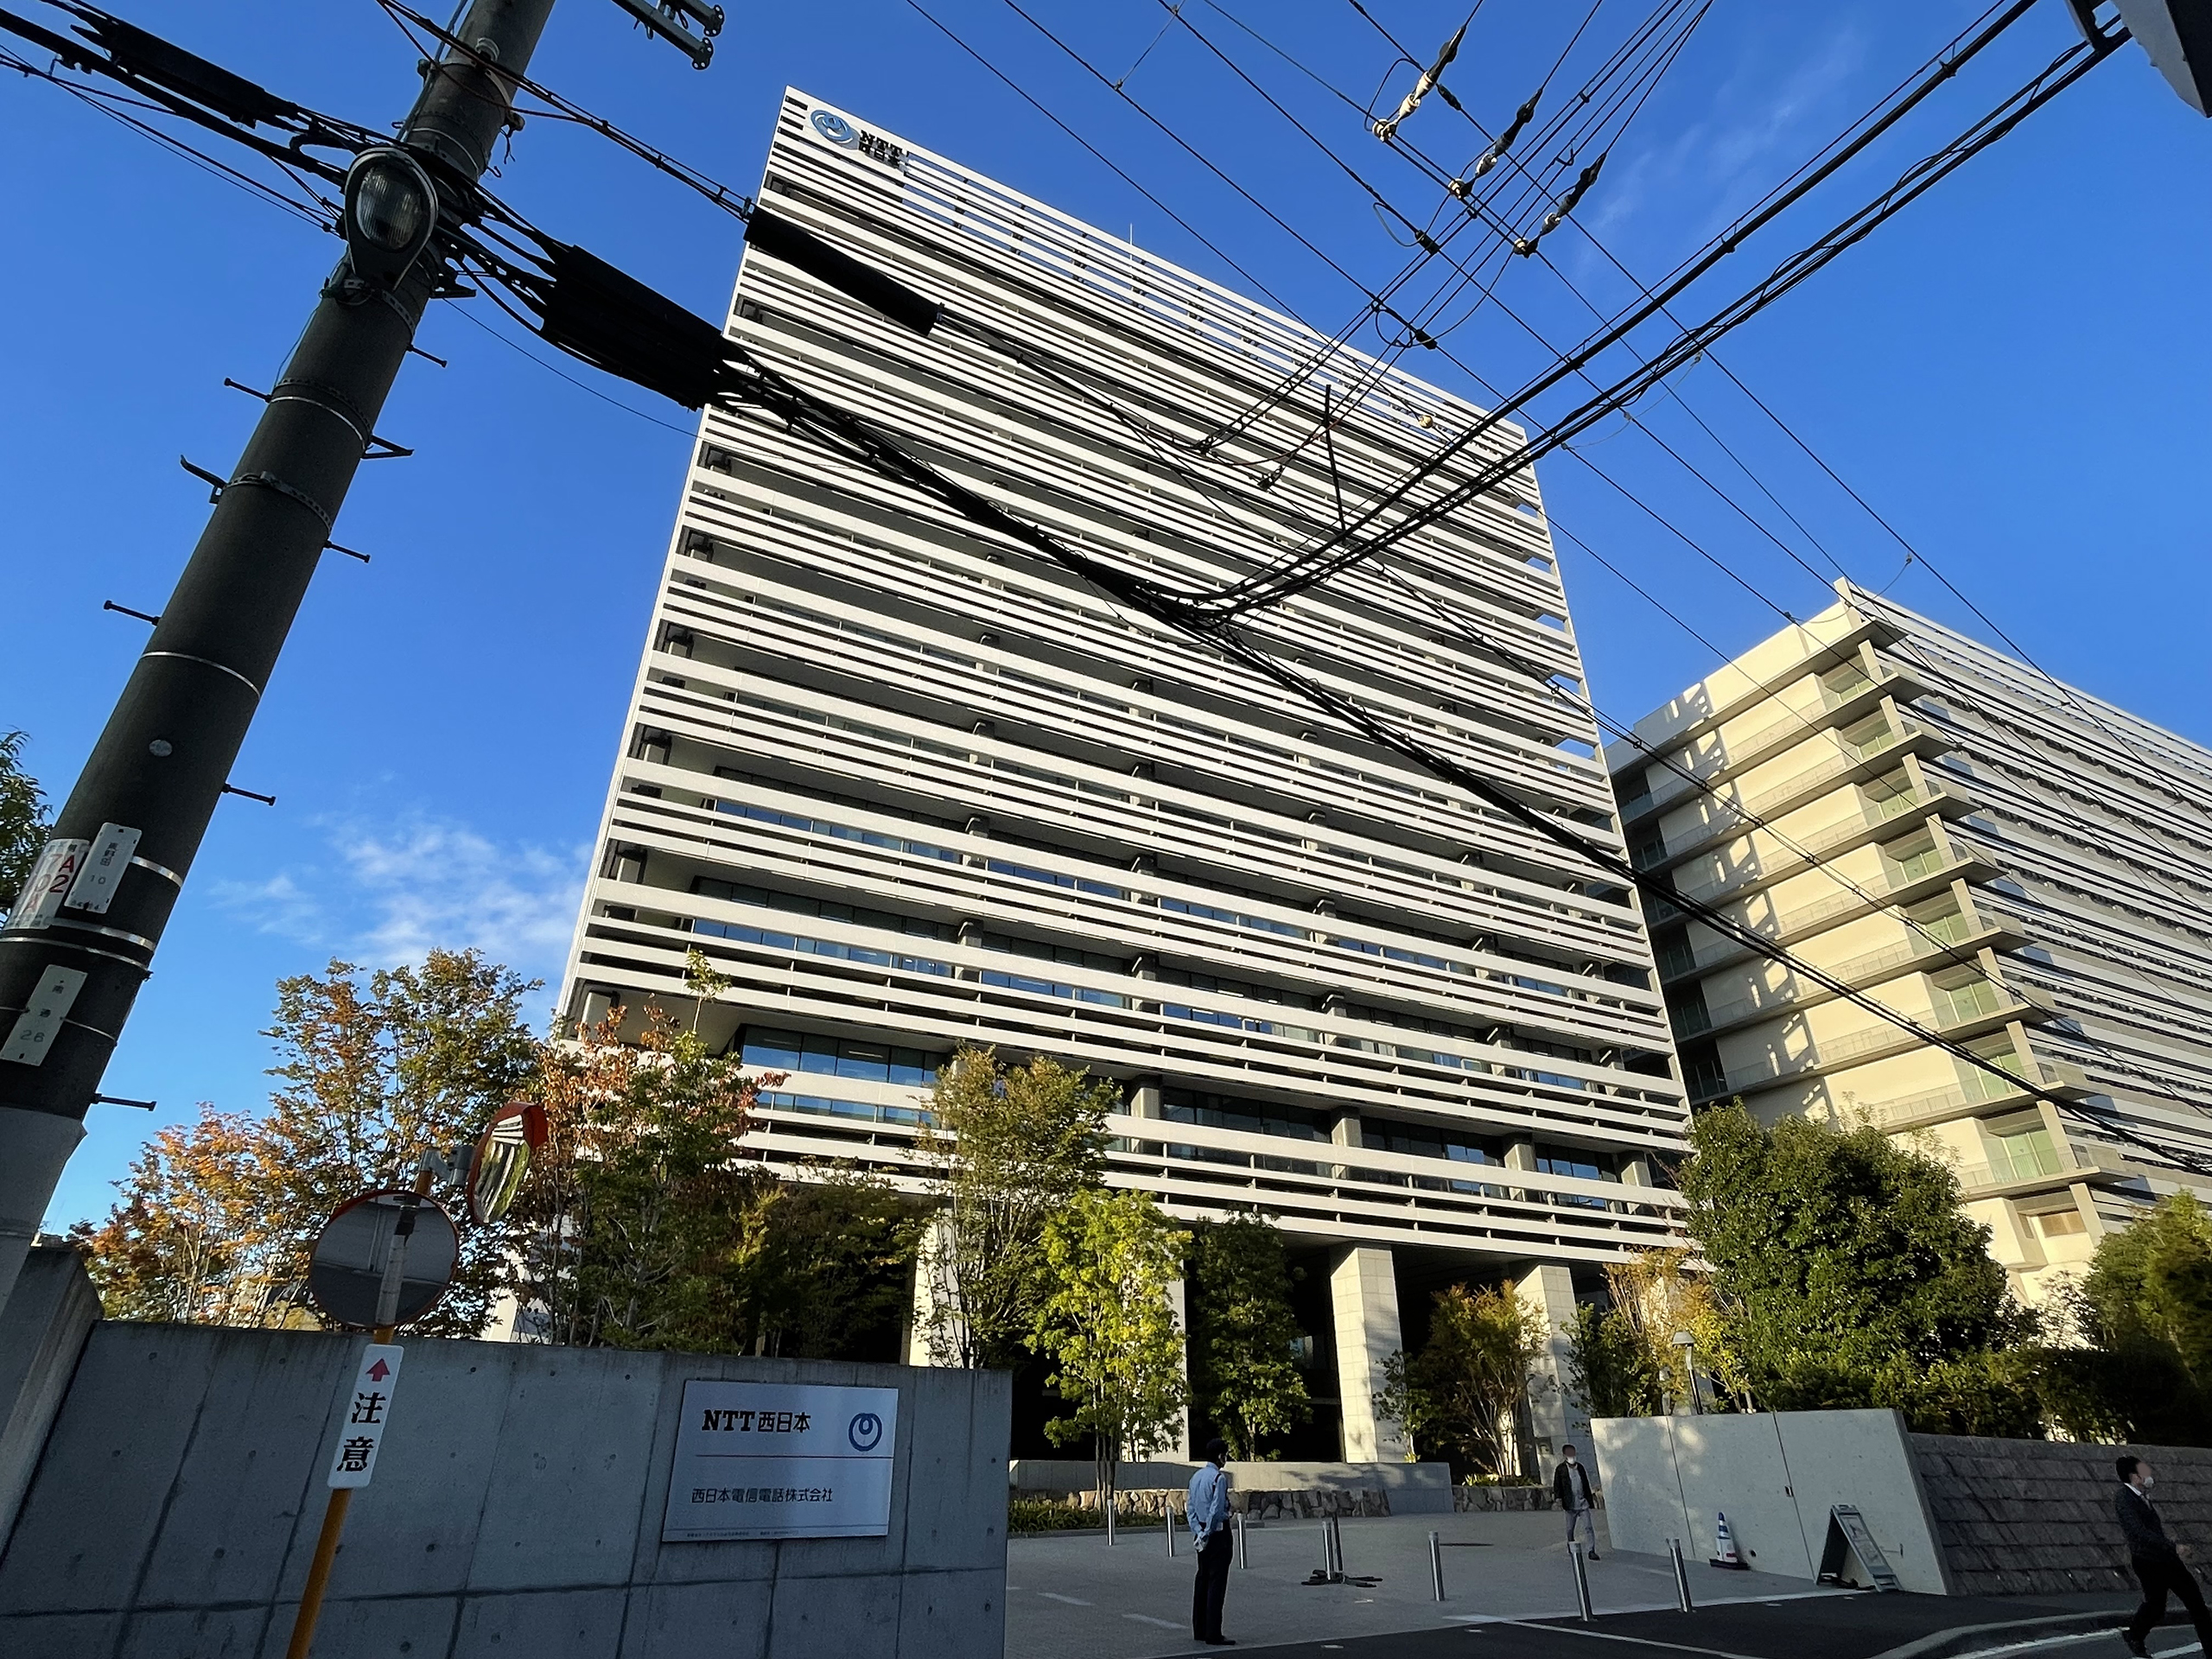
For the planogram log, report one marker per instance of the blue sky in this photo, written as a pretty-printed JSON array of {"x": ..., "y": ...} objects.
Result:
[{"x": 2015, "y": 372}]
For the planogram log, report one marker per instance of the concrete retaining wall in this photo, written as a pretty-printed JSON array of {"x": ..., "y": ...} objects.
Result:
[
  {"x": 2017, "y": 1517},
  {"x": 517, "y": 1508},
  {"x": 1775, "y": 1475},
  {"x": 1955, "y": 1515},
  {"x": 42, "y": 1330}
]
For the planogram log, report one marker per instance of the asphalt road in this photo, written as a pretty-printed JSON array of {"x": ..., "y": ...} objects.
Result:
[{"x": 1856, "y": 1627}]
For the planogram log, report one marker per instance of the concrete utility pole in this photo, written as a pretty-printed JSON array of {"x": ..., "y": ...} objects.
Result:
[{"x": 81, "y": 938}]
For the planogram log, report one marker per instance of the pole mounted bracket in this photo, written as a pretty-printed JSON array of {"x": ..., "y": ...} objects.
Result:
[
  {"x": 251, "y": 795},
  {"x": 215, "y": 481},
  {"x": 672, "y": 20}
]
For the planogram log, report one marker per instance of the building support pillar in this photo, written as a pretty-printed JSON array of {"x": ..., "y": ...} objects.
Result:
[
  {"x": 1556, "y": 1413},
  {"x": 1363, "y": 1301},
  {"x": 929, "y": 1341},
  {"x": 1178, "y": 1436}
]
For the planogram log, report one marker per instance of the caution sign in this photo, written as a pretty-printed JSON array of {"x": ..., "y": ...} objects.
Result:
[{"x": 366, "y": 1411}]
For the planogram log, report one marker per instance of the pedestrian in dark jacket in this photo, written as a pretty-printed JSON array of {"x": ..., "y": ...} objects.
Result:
[
  {"x": 1571, "y": 1486},
  {"x": 2157, "y": 1563}
]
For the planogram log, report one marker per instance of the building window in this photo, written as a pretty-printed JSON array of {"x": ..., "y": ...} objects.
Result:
[
  {"x": 1702, "y": 1072},
  {"x": 773, "y": 1049},
  {"x": 2061, "y": 1223}
]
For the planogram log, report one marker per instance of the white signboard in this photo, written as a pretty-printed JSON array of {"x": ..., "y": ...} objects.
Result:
[
  {"x": 102, "y": 867},
  {"x": 781, "y": 1460},
  {"x": 368, "y": 1409},
  {"x": 31, "y": 1038},
  {"x": 59, "y": 861}
]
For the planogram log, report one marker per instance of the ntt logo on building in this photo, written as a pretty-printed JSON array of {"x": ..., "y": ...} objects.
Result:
[
  {"x": 833, "y": 129},
  {"x": 866, "y": 1430}
]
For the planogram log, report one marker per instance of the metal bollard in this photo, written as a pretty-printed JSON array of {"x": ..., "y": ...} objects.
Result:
[
  {"x": 1167, "y": 1517},
  {"x": 1109, "y": 1524},
  {"x": 1436, "y": 1565},
  {"x": 1581, "y": 1579},
  {"x": 1242, "y": 1559},
  {"x": 1681, "y": 1575}
]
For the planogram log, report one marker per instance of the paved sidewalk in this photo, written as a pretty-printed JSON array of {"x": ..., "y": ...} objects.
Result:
[{"x": 1072, "y": 1597}]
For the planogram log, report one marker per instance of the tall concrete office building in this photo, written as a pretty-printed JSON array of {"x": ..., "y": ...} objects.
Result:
[
  {"x": 911, "y": 787},
  {"x": 2011, "y": 862}
]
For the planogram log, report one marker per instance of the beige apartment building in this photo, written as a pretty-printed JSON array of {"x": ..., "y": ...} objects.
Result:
[{"x": 2011, "y": 862}]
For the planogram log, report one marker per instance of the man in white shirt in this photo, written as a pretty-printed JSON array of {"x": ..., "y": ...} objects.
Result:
[{"x": 1208, "y": 1514}]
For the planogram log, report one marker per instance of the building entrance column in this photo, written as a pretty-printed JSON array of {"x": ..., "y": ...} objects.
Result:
[
  {"x": 1556, "y": 1413},
  {"x": 1363, "y": 1303}
]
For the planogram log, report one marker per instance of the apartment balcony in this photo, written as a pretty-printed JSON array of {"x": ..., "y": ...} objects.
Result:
[
  {"x": 1798, "y": 726},
  {"x": 2021, "y": 1172},
  {"x": 1900, "y": 885},
  {"x": 1986, "y": 1096},
  {"x": 1918, "y": 955},
  {"x": 1801, "y": 852},
  {"x": 1991, "y": 1007}
]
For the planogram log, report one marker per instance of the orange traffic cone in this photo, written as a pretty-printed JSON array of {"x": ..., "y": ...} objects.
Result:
[{"x": 1724, "y": 1542}]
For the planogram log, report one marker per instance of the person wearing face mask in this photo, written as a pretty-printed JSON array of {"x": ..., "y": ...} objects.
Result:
[
  {"x": 1571, "y": 1486},
  {"x": 2157, "y": 1563}
]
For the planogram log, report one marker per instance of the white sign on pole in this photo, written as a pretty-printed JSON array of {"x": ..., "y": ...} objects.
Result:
[
  {"x": 102, "y": 867},
  {"x": 59, "y": 861},
  {"x": 781, "y": 1460},
  {"x": 368, "y": 1409},
  {"x": 31, "y": 1038}
]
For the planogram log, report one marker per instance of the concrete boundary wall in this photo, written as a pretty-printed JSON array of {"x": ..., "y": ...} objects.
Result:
[
  {"x": 1775, "y": 1476},
  {"x": 517, "y": 1508},
  {"x": 42, "y": 1330}
]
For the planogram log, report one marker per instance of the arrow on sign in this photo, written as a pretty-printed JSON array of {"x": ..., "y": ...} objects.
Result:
[{"x": 380, "y": 1370}]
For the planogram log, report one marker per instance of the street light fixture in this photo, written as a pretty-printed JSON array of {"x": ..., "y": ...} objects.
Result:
[
  {"x": 1687, "y": 1343},
  {"x": 391, "y": 209}
]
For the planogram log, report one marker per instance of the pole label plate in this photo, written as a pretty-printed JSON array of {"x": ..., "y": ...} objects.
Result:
[
  {"x": 31, "y": 1039},
  {"x": 59, "y": 861},
  {"x": 368, "y": 1409},
  {"x": 102, "y": 868},
  {"x": 781, "y": 1460}
]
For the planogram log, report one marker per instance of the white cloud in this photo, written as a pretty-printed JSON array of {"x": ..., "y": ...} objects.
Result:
[{"x": 394, "y": 892}]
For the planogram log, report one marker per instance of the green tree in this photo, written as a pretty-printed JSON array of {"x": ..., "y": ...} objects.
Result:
[
  {"x": 2143, "y": 1317},
  {"x": 1461, "y": 1394},
  {"x": 644, "y": 1227},
  {"x": 1012, "y": 1145},
  {"x": 193, "y": 1239},
  {"x": 1658, "y": 1299},
  {"x": 23, "y": 820},
  {"x": 1607, "y": 1365},
  {"x": 827, "y": 1260},
  {"x": 1840, "y": 1257},
  {"x": 217, "y": 1220},
  {"x": 1105, "y": 1324},
  {"x": 1242, "y": 1334}
]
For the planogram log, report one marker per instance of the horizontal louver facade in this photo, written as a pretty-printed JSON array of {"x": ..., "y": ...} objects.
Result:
[{"x": 911, "y": 787}]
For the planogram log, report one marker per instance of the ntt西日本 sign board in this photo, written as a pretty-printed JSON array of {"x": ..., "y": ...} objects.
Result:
[{"x": 781, "y": 1460}]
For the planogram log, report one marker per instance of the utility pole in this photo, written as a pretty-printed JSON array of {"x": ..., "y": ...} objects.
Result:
[{"x": 81, "y": 938}]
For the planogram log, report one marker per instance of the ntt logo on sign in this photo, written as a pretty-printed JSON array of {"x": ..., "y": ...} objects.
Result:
[
  {"x": 865, "y": 1432},
  {"x": 838, "y": 130}
]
